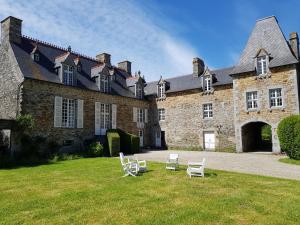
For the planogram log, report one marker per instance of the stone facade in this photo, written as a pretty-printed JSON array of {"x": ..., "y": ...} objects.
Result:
[
  {"x": 38, "y": 100},
  {"x": 285, "y": 78},
  {"x": 184, "y": 123}
]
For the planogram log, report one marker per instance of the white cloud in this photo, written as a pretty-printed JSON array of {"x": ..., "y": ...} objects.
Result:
[{"x": 121, "y": 28}]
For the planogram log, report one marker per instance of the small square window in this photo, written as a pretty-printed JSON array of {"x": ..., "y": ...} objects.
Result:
[
  {"x": 275, "y": 96},
  {"x": 36, "y": 57},
  {"x": 207, "y": 111},
  {"x": 251, "y": 98},
  {"x": 161, "y": 114}
]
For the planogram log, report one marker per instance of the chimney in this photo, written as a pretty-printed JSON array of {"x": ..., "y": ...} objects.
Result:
[
  {"x": 11, "y": 30},
  {"x": 104, "y": 58},
  {"x": 198, "y": 67},
  {"x": 294, "y": 43},
  {"x": 125, "y": 65}
]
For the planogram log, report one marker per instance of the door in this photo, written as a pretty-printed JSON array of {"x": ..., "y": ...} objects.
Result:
[
  {"x": 209, "y": 140},
  {"x": 158, "y": 139},
  {"x": 141, "y": 136}
]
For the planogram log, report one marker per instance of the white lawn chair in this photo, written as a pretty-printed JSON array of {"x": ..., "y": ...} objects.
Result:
[
  {"x": 172, "y": 162},
  {"x": 129, "y": 168},
  {"x": 142, "y": 164},
  {"x": 196, "y": 168}
]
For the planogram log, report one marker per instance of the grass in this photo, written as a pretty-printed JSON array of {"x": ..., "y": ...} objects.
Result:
[
  {"x": 290, "y": 161},
  {"x": 93, "y": 191}
]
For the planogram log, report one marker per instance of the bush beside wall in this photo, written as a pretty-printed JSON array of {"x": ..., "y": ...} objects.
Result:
[
  {"x": 289, "y": 136},
  {"x": 113, "y": 140}
]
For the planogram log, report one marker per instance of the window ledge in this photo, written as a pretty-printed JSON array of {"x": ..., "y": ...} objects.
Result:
[
  {"x": 277, "y": 108},
  {"x": 208, "y": 92},
  {"x": 263, "y": 76},
  {"x": 252, "y": 110},
  {"x": 208, "y": 118}
]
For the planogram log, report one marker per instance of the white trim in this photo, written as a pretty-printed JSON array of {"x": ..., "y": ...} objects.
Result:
[
  {"x": 80, "y": 113},
  {"x": 57, "y": 111}
]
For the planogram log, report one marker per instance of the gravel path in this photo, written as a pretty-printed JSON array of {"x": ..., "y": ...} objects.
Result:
[{"x": 252, "y": 163}]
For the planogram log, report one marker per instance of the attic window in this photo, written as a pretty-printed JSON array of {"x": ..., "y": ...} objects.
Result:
[
  {"x": 139, "y": 91},
  {"x": 161, "y": 90},
  {"x": 68, "y": 75},
  {"x": 207, "y": 83},
  {"x": 36, "y": 57},
  {"x": 261, "y": 65},
  {"x": 78, "y": 68}
]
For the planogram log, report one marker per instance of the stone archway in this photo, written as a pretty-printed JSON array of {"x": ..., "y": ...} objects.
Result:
[{"x": 257, "y": 136}]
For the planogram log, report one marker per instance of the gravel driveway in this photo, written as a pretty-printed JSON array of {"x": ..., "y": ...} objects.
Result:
[{"x": 252, "y": 163}]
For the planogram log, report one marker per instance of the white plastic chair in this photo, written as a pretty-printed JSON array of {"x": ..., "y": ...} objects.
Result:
[
  {"x": 196, "y": 168},
  {"x": 172, "y": 162},
  {"x": 129, "y": 168}
]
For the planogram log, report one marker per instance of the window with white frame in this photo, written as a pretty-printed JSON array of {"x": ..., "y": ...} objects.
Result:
[
  {"x": 261, "y": 66},
  {"x": 161, "y": 90},
  {"x": 68, "y": 113},
  {"x": 275, "y": 97},
  {"x": 207, "y": 111},
  {"x": 139, "y": 91},
  {"x": 251, "y": 100},
  {"x": 207, "y": 83},
  {"x": 161, "y": 114},
  {"x": 104, "y": 83},
  {"x": 36, "y": 57},
  {"x": 140, "y": 115},
  {"x": 68, "y": 75},
  {"x": 105, "y": 116}
]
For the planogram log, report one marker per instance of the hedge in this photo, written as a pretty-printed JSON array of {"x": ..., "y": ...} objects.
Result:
[
  {"x": 289, "y": 136},
  {"x": 113, "y": 140},
  {"x": 129, "y": 143}
]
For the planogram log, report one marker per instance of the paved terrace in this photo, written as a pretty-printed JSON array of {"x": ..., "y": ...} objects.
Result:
[{"x": 265, "y": 164}]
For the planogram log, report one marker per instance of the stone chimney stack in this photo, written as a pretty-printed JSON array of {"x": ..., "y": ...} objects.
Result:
[
  {"x": 198, "y": 67},
  {"x": 104, "y": 58},
  {"x": 125, "y": 65},
  {"x": 294, "y": 43},
  {"x": 11, "y": 30}
]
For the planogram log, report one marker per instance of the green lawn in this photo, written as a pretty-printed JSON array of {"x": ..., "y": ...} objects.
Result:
[
  {"x": 290, "y": 161},
  {"x": 92, "y": 191}
]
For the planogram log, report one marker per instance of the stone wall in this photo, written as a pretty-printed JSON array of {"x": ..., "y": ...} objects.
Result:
[
  {"x": 10, "y": 85},
  {"x": 184, "y": 124},
  {"x": 38, "y": 100},
  {"x": 284, "y": 77}
]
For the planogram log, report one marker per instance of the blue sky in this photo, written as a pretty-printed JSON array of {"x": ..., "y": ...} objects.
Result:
[{"x": 159, "y": 37}]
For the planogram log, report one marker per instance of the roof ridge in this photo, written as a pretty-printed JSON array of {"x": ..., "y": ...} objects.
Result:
[
  {"x": 59, "y": 47},
  {"x": 267, "y": 17}
]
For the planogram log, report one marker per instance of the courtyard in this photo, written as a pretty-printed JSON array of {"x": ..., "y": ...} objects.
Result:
[{"x": 93, "y": 191}]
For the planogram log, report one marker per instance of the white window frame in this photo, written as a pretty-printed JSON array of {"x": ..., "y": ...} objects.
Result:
[
  {"x": 105, "y": 116},
  {"x": 139, "y": 91},
  {"x": 161, "y": 114},
  {"x": 104, "y": 83},
  {"x": 161, "y": 90},
  {"x": 207, "y": 83},
  {"x": 262, "y": 65},
  {"x": 68, "y": 75},
  {"x": 140, "y": 115},
  {"x": 68, "y": 113},
  {"x": 207, "y": 111},
  {"x": 36, "y": 57},
  {"x": 276, "y": 98},
  {"x": 252, "y": 100}
]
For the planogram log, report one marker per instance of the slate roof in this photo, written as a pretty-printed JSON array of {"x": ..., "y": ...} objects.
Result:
[
  {"x": 189, "y": 82},
  {"x": 44, "y": 69},
  {"x": 266, "y": 35}
]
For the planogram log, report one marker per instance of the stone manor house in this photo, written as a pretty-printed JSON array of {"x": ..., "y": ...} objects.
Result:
[{"x": 73, "y": 97}]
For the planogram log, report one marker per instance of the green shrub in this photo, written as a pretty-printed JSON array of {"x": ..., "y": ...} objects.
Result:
[
  {"x": 95, "y": 149},
  {"x": 289, "y": 136},
  {"x": 24, "y": 123},
  {"x": 135, "y": 144},
  {"x": 266, "y": 133},
  {"x": 113, "y": 140},
  {"x": 129, "y": 143}
]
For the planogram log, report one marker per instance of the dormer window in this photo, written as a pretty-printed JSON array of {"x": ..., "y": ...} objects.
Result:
[
  {"x": 104, "y": 83},
  {"x": 261, "y": 65},
  {"x": 207, "y": 83},
  {"x": 68, "y": 75},
  {"x": 36, "y": 57},
  {"x": 161, "y": 90},
  {"x": 79, "y": 68},
  {"x": 139, "y": 91}
]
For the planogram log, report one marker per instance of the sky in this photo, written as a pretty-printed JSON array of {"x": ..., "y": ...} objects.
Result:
[{"x": 159, "y": 37}]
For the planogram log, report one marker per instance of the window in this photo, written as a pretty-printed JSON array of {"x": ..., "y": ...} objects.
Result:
[
  {"x": 68, "y": 113},
  {"x": 139, "y": 91},
  {"x": 78, "y": 68},
  {"x": 104, "y": 83},
  {"x": 207, "y": 83},
  {"x": 261, "y": 65},
  {"x": 275, "y": 97},
  {"x": 207, "y": 111},
  {"x": 105, "y": 116},
  {"x": 251, "y": 100},
  {"x": 68, "y": 74},
  {"x": 140, "y": 115},
  {"x": 161, "y": 114},
  {"x": 36, "y": 57},
  {"x": 161, "y": 90}
]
